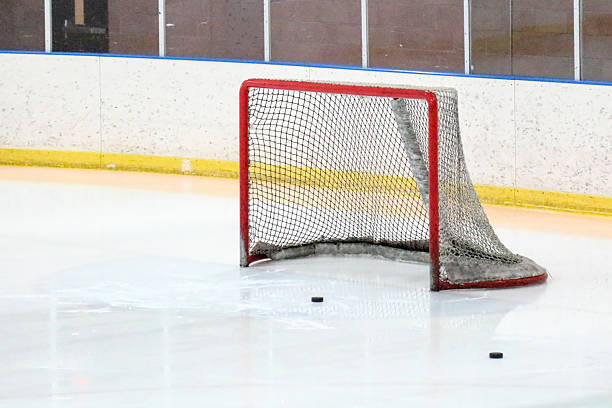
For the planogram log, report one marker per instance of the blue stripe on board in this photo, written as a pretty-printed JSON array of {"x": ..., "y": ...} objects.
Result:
[{"x": 308, "y": 65}]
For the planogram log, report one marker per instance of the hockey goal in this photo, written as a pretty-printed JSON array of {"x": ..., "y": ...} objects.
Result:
[{"x": 335, "y": 168}]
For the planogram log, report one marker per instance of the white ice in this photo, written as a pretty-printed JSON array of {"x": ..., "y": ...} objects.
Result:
[{"x": 117, "y": 297}]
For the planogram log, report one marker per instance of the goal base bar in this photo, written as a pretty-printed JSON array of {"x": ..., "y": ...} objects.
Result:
[
  {"x": 386, "y": 252},
  {"x": 497, "y": 284}
]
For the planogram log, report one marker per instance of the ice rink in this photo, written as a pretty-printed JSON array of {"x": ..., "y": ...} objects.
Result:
[{"x": 123, "y": 290}]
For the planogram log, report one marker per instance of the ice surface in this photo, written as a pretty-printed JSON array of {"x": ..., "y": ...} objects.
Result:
[{"x": 115, "y": 297}]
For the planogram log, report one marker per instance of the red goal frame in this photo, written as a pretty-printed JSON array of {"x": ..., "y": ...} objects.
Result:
[
  {"x": 434, "y": 230},
  {"x": 432, "y": 104}
]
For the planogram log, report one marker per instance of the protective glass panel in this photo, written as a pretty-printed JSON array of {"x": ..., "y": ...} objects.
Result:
[
  {"x": 597, "y": 40},
  {"x": 22, "y": 25},
  {"x": 523, "y": 37},
  {"x": 417, "y": 35},
  {"x": 491, "y": 37},
  {"x": 106, "y": 26},
  {"x": 230, "y": 29},
  {"x": 316, "y": 31}
]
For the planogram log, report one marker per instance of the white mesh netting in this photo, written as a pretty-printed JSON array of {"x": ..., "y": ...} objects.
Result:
[{"x": 345, "y": 173}]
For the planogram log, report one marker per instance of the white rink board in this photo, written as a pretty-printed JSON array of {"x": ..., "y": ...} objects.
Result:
[
  {"x": 49, "y": 103},
  {"x": 539, "y": 135}
]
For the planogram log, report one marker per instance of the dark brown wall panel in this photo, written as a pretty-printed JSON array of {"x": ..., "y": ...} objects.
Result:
[
  {"x": 523, "y": 37},
  {"x": 215, "y": 28},
  {"x": 418, "y": 35},
  {"x": 317, "y": 31},
  {"x": 491, "y": 37},
  {"x": 597, "y": 40},
  {"x": 22, "y": 25},
  {"x": 133, "y": 27},
  {"x": 543, "y": 38}
]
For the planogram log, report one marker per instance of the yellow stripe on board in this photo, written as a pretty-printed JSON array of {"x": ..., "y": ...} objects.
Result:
[
  {"x": 548, "y": 200},
  {"x": 568, "y": 202},
  {"x": 163, "y": 164},
  {"x": 119, "y": 161},
  {"x": 50, "y": 158},
  {"x": 553, "y": 200}
]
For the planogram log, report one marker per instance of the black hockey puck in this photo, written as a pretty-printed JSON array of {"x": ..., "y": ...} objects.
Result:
[
  {"x": 317, "y": 299},
  {"x": 496, "y": 354}
]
